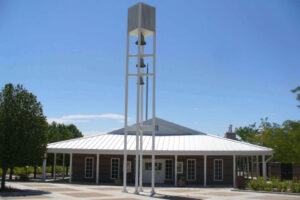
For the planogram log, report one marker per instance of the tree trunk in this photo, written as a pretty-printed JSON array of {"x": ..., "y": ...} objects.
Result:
[
  {"x": 67, "y": 168},
  {"x": 34, "y": 173},
  {"x": 11, "y": 173},
  {"x": 4, "y": 170}
]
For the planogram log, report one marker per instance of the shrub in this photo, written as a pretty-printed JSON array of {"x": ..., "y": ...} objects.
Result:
[
  {"x": 253, "y": 184},
  {"x": 275, "y": 182},
  {"x": 268, "y": 187},
  {"x": 283, "y": 186},
  {"x": 294, "y": 186}
]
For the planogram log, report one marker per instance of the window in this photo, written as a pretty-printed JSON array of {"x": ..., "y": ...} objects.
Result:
[
  {"x": 218, "y": 170},
  {"x": 89, "y": 167},
  {"x": 179, "y": 167},
  {"x": 191, "y": 169},
  {"x": 115, "y": 168},
  {"x": 148, "y": 166},
  {"x": 169, "y": 170}
]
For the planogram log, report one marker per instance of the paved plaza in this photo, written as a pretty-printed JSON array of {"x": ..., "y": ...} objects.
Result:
[{"x": 64, "y": 191}]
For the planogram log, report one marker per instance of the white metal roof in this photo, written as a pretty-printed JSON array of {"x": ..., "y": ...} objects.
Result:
[{"x": 176, "y": 144}]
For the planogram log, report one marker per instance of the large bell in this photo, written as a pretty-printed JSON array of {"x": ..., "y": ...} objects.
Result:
[
  {"x": 141, "y": 81},
  {"x": 142, "y": 40},
  {"x": 142, "y": 63}
]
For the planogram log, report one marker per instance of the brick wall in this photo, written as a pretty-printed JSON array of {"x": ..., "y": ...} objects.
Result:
[
  {"x": 105, "y": 168},
  {"x": 227, "y": 170}
]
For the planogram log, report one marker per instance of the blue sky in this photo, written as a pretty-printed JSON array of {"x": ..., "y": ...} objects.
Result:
[{"x": 218, "y": 62}]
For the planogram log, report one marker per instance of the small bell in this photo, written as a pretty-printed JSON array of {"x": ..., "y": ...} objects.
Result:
[
  {"x": 142, "y": 40},
  {"x": 142, "y": 63},
  {"x": 141, "y": 81}
]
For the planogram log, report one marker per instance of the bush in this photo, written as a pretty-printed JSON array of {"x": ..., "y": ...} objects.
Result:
[
  {"x": 283, "y": 186},
  {"x": 294, "y": 186},
  {"x": 253, "y": 184},
  {"x": 275, "y": 182}
]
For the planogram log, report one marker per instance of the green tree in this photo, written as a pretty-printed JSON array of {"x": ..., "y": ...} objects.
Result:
[
  {"x": 23, "y": 129},
  {"x": 297, "y": 90},
  {"x": 59, "y": 132},
  {"x": 283, "y": 139}
]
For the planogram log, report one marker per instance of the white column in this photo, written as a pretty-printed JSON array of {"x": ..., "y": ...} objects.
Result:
[
  {"x": 71, "y": 170},
  {"x": 234, "y": 170},
  {"x": 257, "y": 167},
  {"x": 54, "y": 167},
  {"x": 138, "y": 103},
  {"x": 264, "y": 167},
  {"x": 97, "y": 169},
  {"x": 175, "y": 181},
  {"x": 141, "y": 133},
  {"x": 44, "y": 167},
  {"x": 64, "y": 170},
  {"x": 153, "y": 117},
  {"x": 204, "y": 178},
  {"x": 125, "y": 118}
]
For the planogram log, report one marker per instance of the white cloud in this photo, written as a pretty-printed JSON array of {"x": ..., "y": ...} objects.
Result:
[{"x": 85, "y": 118}]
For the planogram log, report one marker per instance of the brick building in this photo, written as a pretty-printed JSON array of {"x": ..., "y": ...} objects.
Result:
[{"x": 200, "y": 158}]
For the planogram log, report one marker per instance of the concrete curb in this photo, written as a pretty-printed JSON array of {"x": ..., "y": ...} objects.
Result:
[{"x": 267, "y": 192}]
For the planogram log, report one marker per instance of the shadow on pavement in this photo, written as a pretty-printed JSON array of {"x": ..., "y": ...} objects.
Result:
[
  {"x": 23, "y": 193},
  {"x": 175, "y": 197}
]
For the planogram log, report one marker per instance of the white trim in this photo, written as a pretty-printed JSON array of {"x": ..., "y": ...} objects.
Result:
[
  {"x": 171, "y": 169},
  {"x": 187, "y": 169},
  {"x": 111, "y": 168},
  {"x": 215, "y": 169},
  {"x": 148, "y": 152},
  {"x": 92, "y": 167}
]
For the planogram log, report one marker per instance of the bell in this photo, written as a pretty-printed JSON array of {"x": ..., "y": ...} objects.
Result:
[
  {"x": 141, "y": 81},
  {"x": 142, "y": 63},
  {"x": 142, "y": 40}
]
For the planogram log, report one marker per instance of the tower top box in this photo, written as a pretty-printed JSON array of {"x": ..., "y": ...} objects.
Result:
[{"x": 143, "y": 14}]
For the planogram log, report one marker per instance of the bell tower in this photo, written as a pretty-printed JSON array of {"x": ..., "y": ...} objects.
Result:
[{"x": 141, "y": 25}]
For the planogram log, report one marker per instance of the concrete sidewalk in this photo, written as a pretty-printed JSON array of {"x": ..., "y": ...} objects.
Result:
[{"x": 65, "y": 191}]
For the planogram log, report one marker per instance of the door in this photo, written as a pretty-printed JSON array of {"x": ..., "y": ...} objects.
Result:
[{"x": 159, "y": 171}]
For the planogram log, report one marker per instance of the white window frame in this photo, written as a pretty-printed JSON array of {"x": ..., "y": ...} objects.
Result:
[
  {"x": 215, "y": 169},
  {"x": 111, "y": 168},
  {"x": 180, "y": 163},
  {"x": 92, "y": 167},
  {"x": 187, "y": 170},
  {"x": 169, "y": 179}
]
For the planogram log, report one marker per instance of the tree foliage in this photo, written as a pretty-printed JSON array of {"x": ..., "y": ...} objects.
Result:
[
  {"x": 23, "y": 129},
  {"x": 297, "y": 90},
  {"x": 284, "y": 139},
  {"x": 59, "y": 132}
]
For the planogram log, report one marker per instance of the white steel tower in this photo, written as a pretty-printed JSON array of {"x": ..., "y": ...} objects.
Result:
[{"x": 141, "y": 24}]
